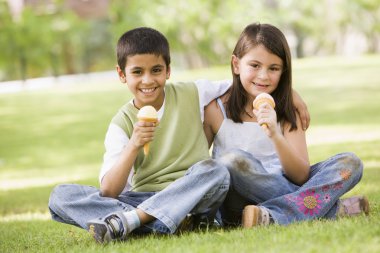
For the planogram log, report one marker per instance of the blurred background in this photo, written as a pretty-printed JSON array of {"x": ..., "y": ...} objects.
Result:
[
  {"x": 40, "y": 38},
  {"x": 67, "y": 48}
]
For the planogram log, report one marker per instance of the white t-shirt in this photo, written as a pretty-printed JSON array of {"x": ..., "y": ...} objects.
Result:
[
  {"x": 247, "y": 136},
  {"x": 116, "y": 139}
]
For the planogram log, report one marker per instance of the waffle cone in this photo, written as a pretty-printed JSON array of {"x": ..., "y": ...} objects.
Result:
[
  {"x": 143, "y": 115},
  {"x": 261, "y": 99},
  {"x": 153, "y": 120}
]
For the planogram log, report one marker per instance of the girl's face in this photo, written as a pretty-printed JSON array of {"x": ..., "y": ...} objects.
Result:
[{"x": 259, "y": 71}]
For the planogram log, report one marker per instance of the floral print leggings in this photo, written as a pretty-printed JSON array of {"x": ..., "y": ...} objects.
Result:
[{"x": 285, "y": 201}]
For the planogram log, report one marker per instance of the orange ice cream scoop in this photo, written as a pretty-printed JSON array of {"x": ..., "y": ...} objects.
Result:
[
  {"x": 261, "y": 99},
  {"x": 147, "y": 114}
]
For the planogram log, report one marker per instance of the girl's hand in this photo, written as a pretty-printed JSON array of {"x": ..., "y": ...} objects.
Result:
[
  {"x": 143, "y": 132},
  {"x": 267, "y": 115}
]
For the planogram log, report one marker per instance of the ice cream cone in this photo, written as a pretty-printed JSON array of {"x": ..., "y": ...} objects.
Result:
[
  {"x": 147, "y": 114},
  {"x": 261, "y": 99}
]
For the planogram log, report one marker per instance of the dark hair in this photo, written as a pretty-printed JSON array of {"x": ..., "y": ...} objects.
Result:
[
  {"x": 273, "y": 40},
  {"x": 142, "y": 40}
]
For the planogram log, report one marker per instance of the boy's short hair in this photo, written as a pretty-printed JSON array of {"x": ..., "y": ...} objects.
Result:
[{"x": 142, "y": 40}]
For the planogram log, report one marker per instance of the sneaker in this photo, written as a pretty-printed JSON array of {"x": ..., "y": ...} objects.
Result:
[
  {"x": 186, "y": 224},
  {"x": 110, "y": 228},
  {"x": 353, "y": 206},
  {"x": 197, "y": 222},
  {"x": 255, "y": 216}
]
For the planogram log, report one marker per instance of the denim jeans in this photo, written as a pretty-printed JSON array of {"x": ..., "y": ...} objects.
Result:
[
  {"x": 200, "y": 191},
  {"x": 285, "y": 201}
]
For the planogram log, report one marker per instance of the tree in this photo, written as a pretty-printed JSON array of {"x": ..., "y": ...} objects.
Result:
[{"x": 364, "y": 16}]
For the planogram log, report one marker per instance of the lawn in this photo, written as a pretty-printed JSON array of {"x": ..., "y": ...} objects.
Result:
[{"x": 55, "y": 135}]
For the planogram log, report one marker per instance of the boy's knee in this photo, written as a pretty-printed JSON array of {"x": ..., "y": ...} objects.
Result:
[
  {"x": 57, "y": 194},
  {"x": 218, "y": 170},
  {"x": 60, "y": 189},
  {"x": 57, "y": 190},
  {"x": 223, "y": 174}
]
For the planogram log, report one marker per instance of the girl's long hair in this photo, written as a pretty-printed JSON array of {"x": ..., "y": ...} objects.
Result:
[{"x": 275, "y": 42}]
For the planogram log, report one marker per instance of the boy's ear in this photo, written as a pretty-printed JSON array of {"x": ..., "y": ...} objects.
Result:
[
  {"x": 121, "y": 74},
  {"x": 168, "y": 73},
  {"x": 235, "y": 64}
]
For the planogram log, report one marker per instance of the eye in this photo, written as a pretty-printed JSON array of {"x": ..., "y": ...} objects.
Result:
[
  {"x": 275, "y": 69},
  {"x": 136, "y": 72},
  {"x": 255, "y": 66},
  {"x": 157, "y": 70}
]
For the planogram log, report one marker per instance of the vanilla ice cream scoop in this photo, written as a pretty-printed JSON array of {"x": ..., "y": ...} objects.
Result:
[
  {"x": 263, "y": 98},
  {"x": 147, "y": 114}
]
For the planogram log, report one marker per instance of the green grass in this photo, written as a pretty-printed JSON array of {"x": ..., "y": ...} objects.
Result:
[{"x": 56, "y": 135}]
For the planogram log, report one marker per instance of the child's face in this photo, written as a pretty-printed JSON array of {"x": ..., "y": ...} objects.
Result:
[
  {"x": 259, "y": 70},
  {"x": 145, "y": 75}
]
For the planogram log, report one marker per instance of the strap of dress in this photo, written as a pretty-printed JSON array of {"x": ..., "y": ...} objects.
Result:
[{"x": 220, "y": 103}]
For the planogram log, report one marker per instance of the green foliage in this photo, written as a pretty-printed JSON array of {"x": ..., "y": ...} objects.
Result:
[
  {"x": 55, "y": 41},
  {"x": 43, "y": 44},
  {"x": 56, "y": 136},
  {"x": 368, "y": 18}
]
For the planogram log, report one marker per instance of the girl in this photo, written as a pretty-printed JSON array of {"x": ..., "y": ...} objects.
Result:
[{"x": 271, "y": 177}]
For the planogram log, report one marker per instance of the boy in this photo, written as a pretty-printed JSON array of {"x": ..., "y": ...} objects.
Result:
[{"x": 163, "y": 190}]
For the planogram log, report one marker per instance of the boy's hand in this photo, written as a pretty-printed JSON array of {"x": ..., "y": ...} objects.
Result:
[
  {"x": 143, "y": 132},
  {"x": 302, "y": 110}
]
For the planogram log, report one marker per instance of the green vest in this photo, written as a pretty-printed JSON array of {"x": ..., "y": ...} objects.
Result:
[{"x": 179, "y": 140}]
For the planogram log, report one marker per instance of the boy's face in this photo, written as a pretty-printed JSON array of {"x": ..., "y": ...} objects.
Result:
[{"x": 145, "y": 75}]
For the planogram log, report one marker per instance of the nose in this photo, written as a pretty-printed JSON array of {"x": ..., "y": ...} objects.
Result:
[
  {"x": 262, "y": 74},
  {"x": 147, "y": 78}
]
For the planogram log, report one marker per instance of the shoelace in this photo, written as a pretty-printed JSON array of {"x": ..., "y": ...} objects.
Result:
[{"x": 115, "y": 232}]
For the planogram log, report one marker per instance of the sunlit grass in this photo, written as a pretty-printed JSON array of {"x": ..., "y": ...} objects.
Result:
[
  {"x": 33, "y": 178},
  {"x": 25, "y": 217},
  {"x": 347, "y": 235}
]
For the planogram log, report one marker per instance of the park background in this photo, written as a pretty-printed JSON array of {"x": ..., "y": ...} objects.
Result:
[
  {"x": 63, "y": 37},
  {"x": 59, "y": 90}
]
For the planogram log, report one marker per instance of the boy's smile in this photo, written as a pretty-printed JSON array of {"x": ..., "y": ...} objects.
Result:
[{"x": 145, "y": 75}]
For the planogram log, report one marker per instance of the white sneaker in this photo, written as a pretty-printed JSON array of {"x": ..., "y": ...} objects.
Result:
[{"x": 113, "y": 227}]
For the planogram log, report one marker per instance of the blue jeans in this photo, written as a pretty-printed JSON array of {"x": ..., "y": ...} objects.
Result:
[
  {"x": 200, "y": 191},
  {"x": 285, "y": 201}
]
